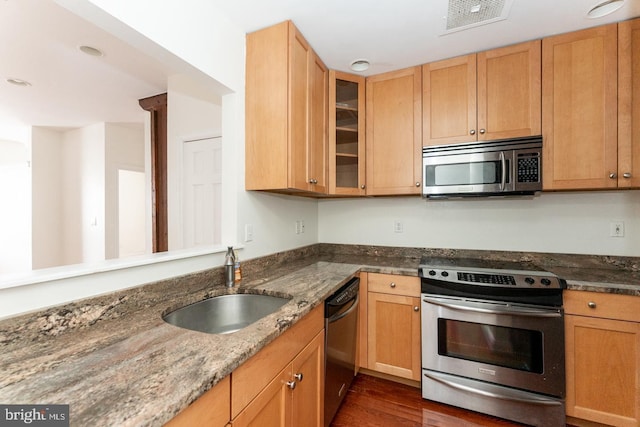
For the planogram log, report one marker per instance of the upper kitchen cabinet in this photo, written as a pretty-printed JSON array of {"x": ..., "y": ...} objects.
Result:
[
  {"x": 629, "y": 104},
  {"x": 486, "y": 96},
  {"x": 346, "y": 134},
  {"x": 394, "y": 133},
  {"x": 286, "y": 112},
  {"x": 579, "y": 109}
]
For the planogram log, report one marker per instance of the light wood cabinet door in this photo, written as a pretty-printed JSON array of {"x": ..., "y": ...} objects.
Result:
[
  {"x": 579, "y": 109},
  {"x": 629, "y": 104},
  {"x": 299, "y": 102},
  {"x": 308, "y": 373},
  {"x": 272, "y": 407},
  {"x": 394, "y": 335},
  {"x": 346, "y": 134},
  {"x": 449, "y": 101},
  {"x": 317, "y": 175},
  {"x": 509, "y": 92},
  {"x": 394, "y": 133},
  {"x": 491, "y": 95},
  {"x": 286, "y": 113},
  {"x": 603, "y": 370}
]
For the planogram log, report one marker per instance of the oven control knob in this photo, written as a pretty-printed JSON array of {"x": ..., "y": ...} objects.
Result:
[
  {"x": 530, "y": 280},
  {"x": 432, "y": 273},
  {"x": 445, "y": 274},
  {"x": 545, "y": 282}
]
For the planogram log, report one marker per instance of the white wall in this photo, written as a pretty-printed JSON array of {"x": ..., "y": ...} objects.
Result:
[
  {"x": 47, "y": 198},
  {"x": 84, "y": 194},
  {"x": 200, "y": 34},
  {"x": 195, "y": 112},
  {"x": 15, "y": 213},
  {"x": 124, "y": 149},
  {"x": 575, "y": 223}
]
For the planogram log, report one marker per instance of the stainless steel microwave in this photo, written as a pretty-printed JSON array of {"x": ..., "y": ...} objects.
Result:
[{"x": 487, "y": 168}]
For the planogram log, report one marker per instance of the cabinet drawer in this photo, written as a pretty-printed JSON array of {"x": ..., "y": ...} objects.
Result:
[
  {"x": 256, "y": 373},
  {"x": 608, "y": 306},
  {"x": 394, "y": 284}
]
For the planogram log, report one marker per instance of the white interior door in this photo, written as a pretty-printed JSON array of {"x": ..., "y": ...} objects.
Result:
[{"x": 202, "y": 192}]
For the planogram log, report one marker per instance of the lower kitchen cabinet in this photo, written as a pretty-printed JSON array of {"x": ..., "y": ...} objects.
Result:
[
  {"x": 294, "y": 396},
  {"x": 393, "y": 325},
  {"x": 602, "y": 333},
  {"x": 212, "y": 409},
  {"x": 283, "y": 384}
]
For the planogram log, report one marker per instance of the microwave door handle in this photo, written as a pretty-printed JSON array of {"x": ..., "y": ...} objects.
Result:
[{"x": 503, "y": 178}]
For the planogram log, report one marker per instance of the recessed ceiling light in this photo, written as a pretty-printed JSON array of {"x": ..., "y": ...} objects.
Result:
[
  {"x": 605, "y": 8},
  {"x": 89, "y": 50},
  {"x": 360, "y": 65},
  {"x": 18, "y": 82}
]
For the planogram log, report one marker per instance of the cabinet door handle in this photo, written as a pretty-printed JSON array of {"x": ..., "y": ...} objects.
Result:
[
  {"x": 362, "y": 186},
  {"x": 417, "y": 184},
  {"x": 482, "y": 131},
  {"x": 299, "y": 376},
  {"x": 613, "y": 175},
  {"x": 291, "y": 385},
  {"x": 627, "y": 174},
  {"x": 591, "y": 304},
  {"x": 392, "y": 284},
  {"x": 416, "y": 308},
  {"x": 472, "y": 132}
]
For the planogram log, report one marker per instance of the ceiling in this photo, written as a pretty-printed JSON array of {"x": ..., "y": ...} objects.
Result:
[
  {"x": 71, "y": 89},
  {"x": 394, "y": 34}
]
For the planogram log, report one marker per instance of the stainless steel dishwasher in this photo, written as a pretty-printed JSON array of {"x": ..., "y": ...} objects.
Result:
[{"x": 341, "y": 325}]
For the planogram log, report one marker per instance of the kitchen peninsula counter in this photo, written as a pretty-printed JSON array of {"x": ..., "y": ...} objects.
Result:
[{"x": 116, "y": 362}]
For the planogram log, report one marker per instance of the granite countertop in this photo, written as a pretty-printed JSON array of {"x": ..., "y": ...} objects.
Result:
[
  {"x": 116, "y": 362},
  {"x": 134, "y": 369}
]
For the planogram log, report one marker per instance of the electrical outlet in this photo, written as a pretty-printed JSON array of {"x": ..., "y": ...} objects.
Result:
[
  {"x": 616, "y": 229},
  {"x": 398, "y": 226},
  {"x": 248, "y": 232}
]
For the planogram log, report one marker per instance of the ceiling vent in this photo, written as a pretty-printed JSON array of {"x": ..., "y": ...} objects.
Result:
[{"x": 463, "y": 14}]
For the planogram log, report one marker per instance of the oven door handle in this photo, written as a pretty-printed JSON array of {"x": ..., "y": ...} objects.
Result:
[
  {"x": 506, "y": 310},
  {"x": 491, "y": 394}
]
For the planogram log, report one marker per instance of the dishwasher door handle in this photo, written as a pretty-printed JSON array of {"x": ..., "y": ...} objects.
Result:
[{"x": 339, "y": 315}]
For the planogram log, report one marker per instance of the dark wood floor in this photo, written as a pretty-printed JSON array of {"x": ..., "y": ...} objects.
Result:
[{"x": 376, "y": 402}]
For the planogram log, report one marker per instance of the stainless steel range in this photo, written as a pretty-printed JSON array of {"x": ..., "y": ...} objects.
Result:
[{"x": 493, "y": 339}]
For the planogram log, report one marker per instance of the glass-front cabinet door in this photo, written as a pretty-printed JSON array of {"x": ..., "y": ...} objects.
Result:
[{"x": 346, "y": 134}]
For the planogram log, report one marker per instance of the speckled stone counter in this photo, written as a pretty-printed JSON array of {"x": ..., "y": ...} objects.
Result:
[{"x": 116, "y": 362}]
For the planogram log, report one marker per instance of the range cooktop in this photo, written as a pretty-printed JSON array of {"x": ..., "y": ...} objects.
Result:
[{"x": 486, "y": 272}]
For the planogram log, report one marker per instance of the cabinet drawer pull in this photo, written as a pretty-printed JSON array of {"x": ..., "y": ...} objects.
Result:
[
  {"x": 392, "y": 284},
  {"x": 591, "y": 304}
]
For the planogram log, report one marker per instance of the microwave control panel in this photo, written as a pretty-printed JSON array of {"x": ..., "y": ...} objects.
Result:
[{"x": 528, "y": 167}]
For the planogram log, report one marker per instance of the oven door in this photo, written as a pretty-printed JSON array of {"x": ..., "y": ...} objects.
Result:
[
  {"x": 513, "y": 345},
  {"x": 488, "y": 172}
]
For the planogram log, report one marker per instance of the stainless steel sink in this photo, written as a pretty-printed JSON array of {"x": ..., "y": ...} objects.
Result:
[{"x": 226, "y": 313}]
